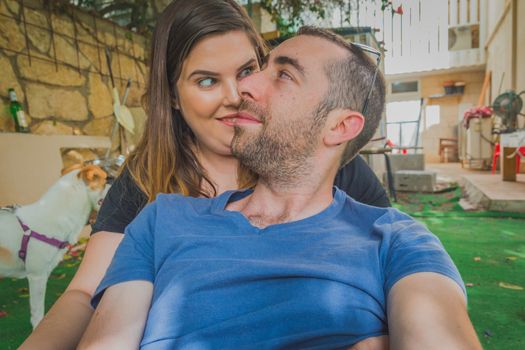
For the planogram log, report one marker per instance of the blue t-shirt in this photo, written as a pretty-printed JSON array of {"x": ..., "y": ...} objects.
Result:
[{"x": 315, "y": 283}]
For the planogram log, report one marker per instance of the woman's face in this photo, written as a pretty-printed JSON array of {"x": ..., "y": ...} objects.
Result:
[{"x": 207, "y": 87}]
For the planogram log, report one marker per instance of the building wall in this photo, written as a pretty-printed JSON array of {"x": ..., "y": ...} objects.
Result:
[
  {"x": 499, "y": 49},
  {"x": 55, "y": 60},
  {"x": 451, "y": 107},
  {"x": 520, "y": 73},
  {"x": 495, "y": 8},
  {"x": 505, "y": 49},
  {"x": 505, "y": 54}
]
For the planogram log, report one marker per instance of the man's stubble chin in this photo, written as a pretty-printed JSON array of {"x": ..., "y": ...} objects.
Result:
[
  {"x": 280, "y": 154},
  {"x": 251, "y": 150}
]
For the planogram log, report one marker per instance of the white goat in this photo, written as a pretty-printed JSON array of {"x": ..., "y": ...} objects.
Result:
[{"x": 34, "y": 238}]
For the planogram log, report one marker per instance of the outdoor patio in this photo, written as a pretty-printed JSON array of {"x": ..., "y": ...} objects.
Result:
[{"x": 484, "y": 189}]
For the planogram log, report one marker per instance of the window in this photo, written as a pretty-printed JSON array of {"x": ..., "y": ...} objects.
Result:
[
  {"x": 402, "y": 122},
  {"x": 432, "y": 116},
  {"x": 405, "y": 86}
]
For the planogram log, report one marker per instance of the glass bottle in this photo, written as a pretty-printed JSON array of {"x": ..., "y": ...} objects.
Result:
[{"x": 17, "y": 113}]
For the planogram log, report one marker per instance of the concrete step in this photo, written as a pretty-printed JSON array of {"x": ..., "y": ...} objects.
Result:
[{"x": 491, "y": 193}]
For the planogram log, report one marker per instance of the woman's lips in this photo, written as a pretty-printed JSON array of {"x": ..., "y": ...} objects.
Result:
[{"x": 239, "y": 119}]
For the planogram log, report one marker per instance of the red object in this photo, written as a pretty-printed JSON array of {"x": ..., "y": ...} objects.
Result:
[
  {"x": 476, "y": 112},
  {"x": 399, "y": 10},
  {"x": 389, "y": 143},
  {"x": 497, "y": 153}
]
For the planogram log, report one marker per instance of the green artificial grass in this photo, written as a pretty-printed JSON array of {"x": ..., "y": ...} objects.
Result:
[
  {"x": 487, "y": 247},
  {"x": 15, "y": 323},
  {"x": 487, "y": 252}
]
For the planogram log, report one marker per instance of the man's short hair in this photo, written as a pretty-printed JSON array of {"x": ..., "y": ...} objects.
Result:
[{"x": 350, "y": 81}]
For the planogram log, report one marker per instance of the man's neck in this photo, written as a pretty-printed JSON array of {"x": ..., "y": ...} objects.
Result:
[{"x": 271, "y": 204}]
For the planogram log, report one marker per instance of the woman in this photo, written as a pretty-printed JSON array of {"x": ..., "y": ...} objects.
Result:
[{"x": 200, "y": 50}]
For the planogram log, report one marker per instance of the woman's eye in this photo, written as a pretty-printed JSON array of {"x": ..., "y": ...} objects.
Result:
[
  {"x": 246, "y": 71},
  {"x": 206, "y": 82}
]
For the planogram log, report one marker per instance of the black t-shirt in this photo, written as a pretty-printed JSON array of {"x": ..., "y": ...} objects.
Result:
[{"x": 125, "y": 200}]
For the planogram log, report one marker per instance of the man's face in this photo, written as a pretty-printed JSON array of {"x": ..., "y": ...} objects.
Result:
[{"x": 279, "y": 124}]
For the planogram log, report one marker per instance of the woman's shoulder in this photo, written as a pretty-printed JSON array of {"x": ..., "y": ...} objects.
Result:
[{"x": 121, "y": 204}]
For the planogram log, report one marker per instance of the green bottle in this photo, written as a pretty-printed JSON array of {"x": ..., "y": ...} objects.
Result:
[{"x": 17, "y": 113}]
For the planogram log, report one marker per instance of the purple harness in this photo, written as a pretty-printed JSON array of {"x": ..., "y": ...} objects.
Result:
[{"x": 28, "y": 233}]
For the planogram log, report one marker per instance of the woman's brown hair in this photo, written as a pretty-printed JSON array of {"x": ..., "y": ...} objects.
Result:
[{"x": 164, "y": 161}]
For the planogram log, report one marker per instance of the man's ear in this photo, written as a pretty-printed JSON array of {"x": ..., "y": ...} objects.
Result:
[{"x": 344, "y": 125}]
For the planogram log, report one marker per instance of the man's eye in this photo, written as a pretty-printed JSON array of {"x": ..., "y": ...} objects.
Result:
[
  {"x": 284, "y": 75},
  {"x": 206, "y": 82}
]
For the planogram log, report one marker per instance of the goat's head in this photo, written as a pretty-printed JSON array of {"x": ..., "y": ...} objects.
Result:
[{"x": 95, "y": 179}]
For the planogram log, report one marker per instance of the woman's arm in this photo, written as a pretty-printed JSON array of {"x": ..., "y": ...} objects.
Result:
[
  {"x": 66, "y": 321},
  {"x": 123, "y": 297},
  {"x": 120, "y": 317}
]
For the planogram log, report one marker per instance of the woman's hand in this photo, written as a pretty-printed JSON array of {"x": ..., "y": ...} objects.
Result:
[{"x": 119, "y": 320}]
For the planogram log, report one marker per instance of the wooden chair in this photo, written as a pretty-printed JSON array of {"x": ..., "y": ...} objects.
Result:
[{"x": 447, "y": 145}]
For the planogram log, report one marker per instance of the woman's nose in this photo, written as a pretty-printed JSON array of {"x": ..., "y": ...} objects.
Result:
[
  {"x": 251, "y": 87},
  {"x": 231, "y": 94}
]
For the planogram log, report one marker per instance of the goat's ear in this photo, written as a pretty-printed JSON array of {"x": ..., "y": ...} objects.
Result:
[
  {"x": 86, "y": 174},
  {"x": 92, "y": 173},
  {"x": 70, "y": 168}
]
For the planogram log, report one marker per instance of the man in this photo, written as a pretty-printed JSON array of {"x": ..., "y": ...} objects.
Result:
[{"x": 293, "y": 263}]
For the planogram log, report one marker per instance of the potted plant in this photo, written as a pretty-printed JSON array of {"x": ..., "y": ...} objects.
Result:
[
  {"x": 449, "y": 87},
  {"x": 459, "y": 86}
]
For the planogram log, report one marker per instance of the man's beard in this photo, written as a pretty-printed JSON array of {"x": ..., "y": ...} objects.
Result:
[{"x": 279, "y": 153}]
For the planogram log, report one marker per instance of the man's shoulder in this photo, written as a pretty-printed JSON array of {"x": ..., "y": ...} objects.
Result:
[
  {"x": 357, "y": 207},
  {"x": 164, "y": 200},
  {"x": 390, "y": 219},
  {"x": 179, "y": 202}
]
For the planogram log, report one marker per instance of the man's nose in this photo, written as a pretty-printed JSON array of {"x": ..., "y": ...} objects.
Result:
[{"x": 253, "y": 86}]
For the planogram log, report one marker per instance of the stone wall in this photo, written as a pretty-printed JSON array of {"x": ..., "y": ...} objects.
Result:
[{"x": 54, "y": 57}]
